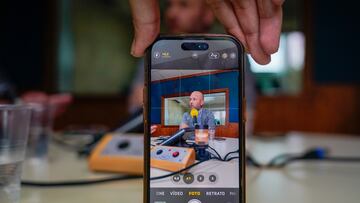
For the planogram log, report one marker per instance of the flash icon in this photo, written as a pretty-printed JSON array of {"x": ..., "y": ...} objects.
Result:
[{"x": 156, "y": 54}]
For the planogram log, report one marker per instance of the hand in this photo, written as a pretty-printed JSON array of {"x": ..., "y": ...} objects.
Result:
[
  {"x": 59, "y": 102},
  {"x": 183, "y": 125},
  {"x": 153, "y": 128},
  {"x": 146, "y": 21},
  {"x": 256, "y": 23}
]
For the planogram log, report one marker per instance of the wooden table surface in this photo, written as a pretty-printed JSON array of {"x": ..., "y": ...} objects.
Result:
[{"x": 302, "y": 182}]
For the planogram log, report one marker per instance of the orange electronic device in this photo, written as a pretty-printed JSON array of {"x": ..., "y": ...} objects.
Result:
[
  {"x": 121, "y": 153},
  {"x": 171, "y": 158}
]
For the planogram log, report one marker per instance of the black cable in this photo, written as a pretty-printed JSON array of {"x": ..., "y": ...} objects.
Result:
[
  {"x": 116, "y": 178},
  {"x": 177, "y": 172},
  {"x": 215, "y": 151},
  {"x": 251, "y": 161},
  {"x": 189, "y": 167},
  {"x": 333, "y": 159},
  {"x": 77, "y": 182},
  {"x": 233, "y": 152},
  {"x": 231, "y": 158},
  {"x": 314, "y": 154},
  {"x": 277, "y": 162},
  {"x": 214, "y": 156},
  {"x": 280, "y": 160},
  {"x": 342, "y": 159},
  {"x": 283, "y": 163},
  {"x": 226, "y": 155}
]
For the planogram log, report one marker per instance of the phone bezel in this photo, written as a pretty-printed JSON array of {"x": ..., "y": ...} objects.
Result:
[{"x": 147, "y": 124}]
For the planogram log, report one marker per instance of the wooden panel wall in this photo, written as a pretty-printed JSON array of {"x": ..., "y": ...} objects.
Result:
[
  {"x": 330, "y": 108},
  {"x": 86, "y": 110},
  {"x": 228, "y": 130}
]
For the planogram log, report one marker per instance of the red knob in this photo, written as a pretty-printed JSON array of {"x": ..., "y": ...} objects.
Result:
[{"x": 175, "y": 154}]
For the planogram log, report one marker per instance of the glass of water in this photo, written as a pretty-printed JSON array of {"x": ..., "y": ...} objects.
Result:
[
  {"x": 14, "y": 130},
  {"x": 211, "y": 136},
  {"x": 41, "y": 124}
]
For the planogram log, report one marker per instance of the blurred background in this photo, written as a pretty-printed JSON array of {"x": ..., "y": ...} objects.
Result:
[{"x": 82, "y": 47}]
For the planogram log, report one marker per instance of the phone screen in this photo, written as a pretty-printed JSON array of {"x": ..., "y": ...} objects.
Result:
[{"x": 195, "y": 121}]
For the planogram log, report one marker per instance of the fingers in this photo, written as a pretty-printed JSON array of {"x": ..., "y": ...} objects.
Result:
[
  {"x": 146, "y": 20},
  {"x": 256, "y": 23},
  {"x": 270, "y": 15},
  {"x": 35, "y": 97},
  {"x": 278, "y": 2},
  {"x": 153, "y": 129},
  {"x": 247, "y": 15},
  {"x": 60, "y": 103},
  {"x": 183, "y": 125},
  {"x": 224, "y": 12}
]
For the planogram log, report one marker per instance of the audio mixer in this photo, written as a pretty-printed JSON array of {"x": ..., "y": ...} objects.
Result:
[
  {"x": 171, "y": 158},
  {"x": 118, "y": 153}
]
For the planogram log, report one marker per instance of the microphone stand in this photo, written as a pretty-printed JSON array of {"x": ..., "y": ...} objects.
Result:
[
  {"x": 179, "y": 139},
  {"x": 201, "y": 145}
]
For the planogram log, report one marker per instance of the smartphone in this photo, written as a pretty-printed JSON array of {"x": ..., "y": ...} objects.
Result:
[{"x": 194, "y": 120}]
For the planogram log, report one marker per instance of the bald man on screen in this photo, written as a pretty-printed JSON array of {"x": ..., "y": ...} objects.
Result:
[{"x": 205, "y": 117}]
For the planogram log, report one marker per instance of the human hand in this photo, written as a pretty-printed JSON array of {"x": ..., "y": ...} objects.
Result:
[
  {"x": 183, "y": 125},
  {"x": 59, "y": 102},
  {"x": 153, "y": 128},
  {"x": 256, "y": 23}
]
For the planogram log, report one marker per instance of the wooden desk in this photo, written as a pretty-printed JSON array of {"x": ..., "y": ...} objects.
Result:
[{"x": 303, "y": 182}]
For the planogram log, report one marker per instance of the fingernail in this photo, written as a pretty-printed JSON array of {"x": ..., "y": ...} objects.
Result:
[
  {"x": 268, "y": 59},
  {"x": 132, "y": 51}
]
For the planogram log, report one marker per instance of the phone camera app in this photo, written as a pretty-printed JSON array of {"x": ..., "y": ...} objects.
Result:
[
  {"x": 195, "y": 122},
  {"x": 157, "y": 54},
  {"x": 214, "y": 55}
]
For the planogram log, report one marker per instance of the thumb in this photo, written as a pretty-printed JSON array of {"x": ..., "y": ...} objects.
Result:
[{"x": 146, "y": 21}]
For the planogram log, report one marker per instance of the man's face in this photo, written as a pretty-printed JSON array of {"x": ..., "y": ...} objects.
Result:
[
  {"x": 196, "y": 100},
  {"x": 186, "y": 16}
]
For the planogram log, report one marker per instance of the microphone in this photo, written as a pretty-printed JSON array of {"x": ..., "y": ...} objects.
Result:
[
  {"x": 180, "y": 135},
  {"x": 194, "y": 114},
  {"x": 177, "y": 137}
]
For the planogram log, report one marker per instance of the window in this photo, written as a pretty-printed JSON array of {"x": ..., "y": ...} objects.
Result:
[
  {"x": 283, "y": 75},
  {"x": 175, "y": 107}
]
